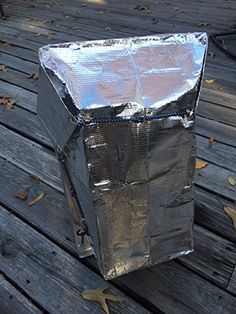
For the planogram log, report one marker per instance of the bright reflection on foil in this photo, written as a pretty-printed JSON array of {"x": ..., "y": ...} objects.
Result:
[{"x": 147, "y": 71}]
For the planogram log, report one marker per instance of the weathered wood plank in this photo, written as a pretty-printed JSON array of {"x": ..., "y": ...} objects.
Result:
[
  {"x": 50, "y": 215},
  {"x": 128, "y": 12},
  {"x": 219, "y": 98},
  {"x": 65, "y": 276},
  {"x": 219, "y": 154},
  {"x": 218, "y": 113},
  {"x": 26, "y": 99},
  {"x": 212, "y": 264},
  {"x": 18, "y": 63},
  {"x": 19, "y": 33},
  {"x": 15, "y": 41},
  {"x": 174, "y": 289},
  {"x": 91, "y": 31},
  {"x": 19, "y": 79},
  {"x": 13, "y": 302},
  {"x": 223, "y": 133},
  {"x": 232, "y": 283},
  {"x": 87, "y": 29},
  {"x": 25, "y": 123},
  {"x": 30, "y": 156},
  {"x": 214, "y": 178},
  {"x": 209, "y": 213}
]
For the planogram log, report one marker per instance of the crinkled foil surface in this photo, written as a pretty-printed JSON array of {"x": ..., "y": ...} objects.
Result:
[{"x": 134, "y": 179}]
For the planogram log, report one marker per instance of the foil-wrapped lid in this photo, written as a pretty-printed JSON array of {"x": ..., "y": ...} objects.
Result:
[{"x": 146, "y": 72}]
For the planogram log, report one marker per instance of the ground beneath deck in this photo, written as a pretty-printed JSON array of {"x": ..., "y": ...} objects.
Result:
[{"x": 38, "y": 262}]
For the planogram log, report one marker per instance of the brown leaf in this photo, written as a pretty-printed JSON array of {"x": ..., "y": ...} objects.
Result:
[
  {"x": 99, "y": 296},
  {"x": 204, "y": 24},
  {"x": 232, "y": 214},
  {"x": 211, "y": 140},
  {"x": 34, "y": 49},
  {"x": 33, "y": 177},
  {"x": 3, "y": 68},
  {"x": 51, "y": 36},
  {"x": 7, "y": 101},
  {"x": 141, "y": 7},
  {"x": 211, "y": 81},
  {"x": 211, "y": 54},
  {"x": 200, "y": 164},
  {"x": 231, "y": 180},
  {"x": 33, "y": 76},
  {"x": 6, "y": 44},
  {"x": 154, "y": 21},
  {"x": 23, "y": 195},
  {"x": 36, "y": 199},
  {"x": 103, "y": 11}
]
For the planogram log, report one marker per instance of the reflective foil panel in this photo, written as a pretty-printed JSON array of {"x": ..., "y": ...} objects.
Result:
[{"x": 121, "y": 115}]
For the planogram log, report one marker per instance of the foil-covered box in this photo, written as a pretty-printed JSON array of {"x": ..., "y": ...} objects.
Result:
[{"x": 120, "y": 113}]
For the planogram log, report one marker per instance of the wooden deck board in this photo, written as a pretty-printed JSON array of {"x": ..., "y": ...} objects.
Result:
[
  {"x": 202, "y": 282},
  {"x": 232, "y": 283},
  {"x": 13, "y": 301},
  {"x": 52, "y": 274}
]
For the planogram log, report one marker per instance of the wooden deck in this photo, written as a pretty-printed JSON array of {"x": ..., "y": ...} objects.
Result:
[{"x": 40, "y": 269}]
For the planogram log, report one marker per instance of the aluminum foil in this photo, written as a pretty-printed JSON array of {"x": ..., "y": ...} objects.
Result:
[{"x": 129, "y": 145}]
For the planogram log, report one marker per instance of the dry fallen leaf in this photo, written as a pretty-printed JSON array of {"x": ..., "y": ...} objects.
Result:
[
  {"x": 3, "y": 68},
  {"x": 98, "y": 295},
  {"x": 211, "y": 81},
  {"x": 231, "y": 180},
  {"x": 232, "y": 214},
  {"x": 204, "y": 24},
  {"x": 51, "y": 36},
  {"x": 154, "y": 21},
  {"x": 200, "y": 164},
  {"x": 33, "y": 177},
  {"x": 140, "y": 7},
  {"x": 7, "y": 101},
  {"x": 23, "y": 195},
  {"x": 33, "y": 76},
  {"x": 211, "y": 54},
  {"x": 6, "y": 44},
  {"x": 211, "y": 140},
  {"x": 103, "y": 11},
  {"x": 34, "y": 49},
  {"x": 36, "y": 199}
]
